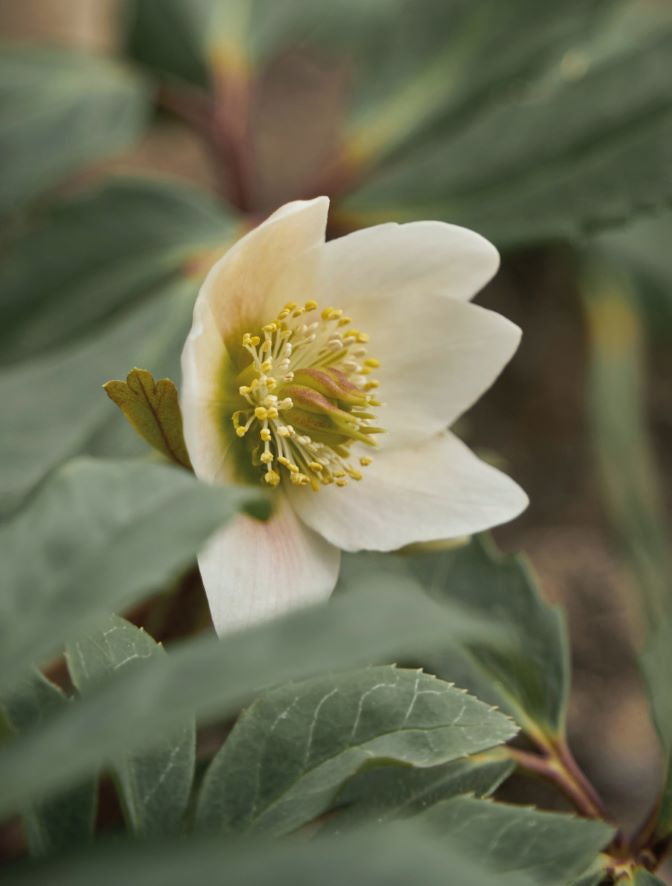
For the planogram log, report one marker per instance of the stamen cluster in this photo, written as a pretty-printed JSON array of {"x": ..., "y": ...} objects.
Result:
[{"x": 308, "y": 395}]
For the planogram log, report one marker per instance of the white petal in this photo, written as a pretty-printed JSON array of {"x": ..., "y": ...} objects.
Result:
[
  {"x": 438, "y": 489},
  {"x": 253, "y": 571},
  {"x": 203, "y": 356},
  {"x": 407, "y": 260},
  {"x": 436, "y": 361},
  {"x": 266, "y": 267},
  {"x": 272, "y": 264}
]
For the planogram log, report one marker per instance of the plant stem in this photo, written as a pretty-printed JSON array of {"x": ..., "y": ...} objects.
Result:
[
  {"x": 552, "y": 770},
  {"x": 555, "y": 762}
]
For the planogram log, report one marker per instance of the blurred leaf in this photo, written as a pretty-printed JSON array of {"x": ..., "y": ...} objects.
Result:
[
  {"x": 292, "y": 750},
  {"x": 630, "y": 482},
  {"x": 178, "y": 38},
  {"x": 548, "y": 847},
  {"x": 54, "y": 405},
  {"x": 153, "y": 410},
  {"x": 65, "y": 821},
  {"x": 616, "y": 409},
  {"x": 61, "y": 111},
  {"x": 214, "y": 678},
  {"x": 97, "y": 537},
  {"x": 643, "y": 877},
  {"x": 154, "y": 785},
  {"x": 587, "y": 146},
  {"x": 642, "y": 250},
  {"x": 386, "y": 792},
  {"x": 94, "y": 255},
  {"x": 530, "y": 677},
  {"x": 394, "y": 856},
  {"x": 436, "y": 64}
]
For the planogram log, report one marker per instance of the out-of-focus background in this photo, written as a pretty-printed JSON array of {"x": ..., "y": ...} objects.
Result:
[{"x": 549, "y": 128}]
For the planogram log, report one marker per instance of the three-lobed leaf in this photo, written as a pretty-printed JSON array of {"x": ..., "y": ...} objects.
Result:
[
  {"x": 153, "y": 410},
  {"x": 154, "y": 785},
  {"x": 292, "y": 750}
]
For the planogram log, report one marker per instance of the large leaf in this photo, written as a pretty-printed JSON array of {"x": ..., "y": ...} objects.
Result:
[
  {"x": 213, "y": 678},
  {"x": 96, "y": 538},
  {"x": 60, "y": 111},
  {"x": 383, "y": 857},
  {"x": 436, "y": 64},
  {"x": 65, "y": 821},
  {"x": 587, "y": 147},
  {"x": 53, "y": 406},
  {"x": 154, "y": 785},
  {"x": 531, "y": 677},
  {"x": 387, "y": 792},
  {"x": 550, "y": 848},
  {"x": 100, "y": 252},
  {"x": 289, "y": 754}
]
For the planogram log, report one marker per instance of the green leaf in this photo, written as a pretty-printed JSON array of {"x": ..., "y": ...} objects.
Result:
[
  {"x": 630, "y": 483},
  {"x": 154, "y": 785},
  {"x": 61, "y": 111},
  {"x": 98, "y": 537},
  {"x": 102, "y": 252},
  {"x": 292, "y": 750},
  {"x": 65, "y": 821},
  {"x": 439, "y": 63},
  {"x": 640, "y": 250},
  {"x": 588, "y": 146},
  {"x": 53, "y": 406},
  {"x": 377, "y": 857},
  {"x": 387, "y": 792},
  {"x": 628, "y": 471},
  {"x": 530, "y": 678},
  {"x": 214, "y": 678},
  {"x": 179, "y": 38},
  {"x": 153, "y": 410},
  {"x": 548, "y": 847},
  {"x": 643, "y": 877}
]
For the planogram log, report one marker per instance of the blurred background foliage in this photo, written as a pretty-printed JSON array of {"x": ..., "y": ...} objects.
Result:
[{"x": 139, "y": 138}]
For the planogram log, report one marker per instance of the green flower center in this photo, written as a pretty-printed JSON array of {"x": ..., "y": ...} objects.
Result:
[{"x": 307, "y": 397}]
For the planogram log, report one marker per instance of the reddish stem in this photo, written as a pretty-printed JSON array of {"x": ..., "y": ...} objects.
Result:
[{"x": 547, "y": 767}]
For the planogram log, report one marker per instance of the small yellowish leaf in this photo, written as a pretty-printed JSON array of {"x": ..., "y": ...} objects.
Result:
[{"x": 153, "y": 410}]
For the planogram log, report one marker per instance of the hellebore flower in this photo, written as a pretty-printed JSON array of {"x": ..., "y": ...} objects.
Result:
[{"x": 329, "y": 372}]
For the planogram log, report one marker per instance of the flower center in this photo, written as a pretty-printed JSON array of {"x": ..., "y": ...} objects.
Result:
[{"x": 309, "y": 397}]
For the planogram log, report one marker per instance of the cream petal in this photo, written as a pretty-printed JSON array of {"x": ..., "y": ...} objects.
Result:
[
  {"x": 407, "y": 260},
  {"x": 438, "y": 489},
  {"x": 254, "y": 571},
  {"x": 203, "y": 356},
  {"x": 265, "y": 268},
  {"x": 274, "y": 263},
  {"x": 436, "y": 361}
]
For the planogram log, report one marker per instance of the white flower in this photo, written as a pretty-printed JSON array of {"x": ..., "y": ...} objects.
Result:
[{"x": 300, "y": 353}]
